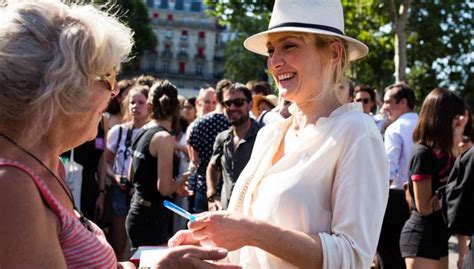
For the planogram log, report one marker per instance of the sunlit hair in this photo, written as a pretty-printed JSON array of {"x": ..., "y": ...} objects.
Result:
[
  {"x": 203, "y": 92},
  {"x": 337, "y": 81},
  {"x": 163, "y": 97},
  {"x": 50, "y": 54},
  {"x": 434, "y": 126}
]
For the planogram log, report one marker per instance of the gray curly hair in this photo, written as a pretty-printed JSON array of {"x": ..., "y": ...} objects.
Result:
[{"x": 50, "y": 54}]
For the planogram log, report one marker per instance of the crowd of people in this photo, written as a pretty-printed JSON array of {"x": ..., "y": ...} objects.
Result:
[{"x": 315, "y": 173}]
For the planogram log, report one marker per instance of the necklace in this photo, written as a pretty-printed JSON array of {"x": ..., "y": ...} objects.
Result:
[{"x": 59, "y": 179}]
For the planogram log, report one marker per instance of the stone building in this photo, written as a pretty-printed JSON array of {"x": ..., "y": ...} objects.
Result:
[{"x": 190, "y": 50}]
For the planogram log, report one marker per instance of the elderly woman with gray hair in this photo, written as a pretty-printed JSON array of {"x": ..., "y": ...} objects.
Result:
[{"x": 57, "y": 73}]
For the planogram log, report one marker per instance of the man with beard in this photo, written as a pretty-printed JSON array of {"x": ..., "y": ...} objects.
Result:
[{"x": 233, "y": 147}]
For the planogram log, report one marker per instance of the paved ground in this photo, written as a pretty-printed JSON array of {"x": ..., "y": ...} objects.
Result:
[{"x": 453, "y": 252}]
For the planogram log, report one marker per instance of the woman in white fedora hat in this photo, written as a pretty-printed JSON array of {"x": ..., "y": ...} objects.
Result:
[{"x": 314, "y": 192}]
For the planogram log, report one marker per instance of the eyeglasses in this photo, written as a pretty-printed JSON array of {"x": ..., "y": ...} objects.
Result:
[
  {"x": 238, "y": 102},
  {"x": 110, "y": 79},
  {"x": 363, "y": 100}
]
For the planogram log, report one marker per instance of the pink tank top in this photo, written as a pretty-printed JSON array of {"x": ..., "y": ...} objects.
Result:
[{"x": 81, "y": 247}]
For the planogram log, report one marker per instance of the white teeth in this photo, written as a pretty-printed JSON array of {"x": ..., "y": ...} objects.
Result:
[{"x": 285, "y": 76}]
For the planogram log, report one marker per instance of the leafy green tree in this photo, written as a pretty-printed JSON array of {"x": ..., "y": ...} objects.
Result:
[
  {"x": 244, "y": 18},
  {"x": 438, "y": 41},
  {"x": 440, "y": 46},
  {"x": 134, "y": 13}
]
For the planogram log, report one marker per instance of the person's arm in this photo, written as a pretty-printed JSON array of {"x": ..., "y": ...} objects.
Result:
[
  {"x": 212, "y": 180},
  {"x": 213, "y": 175},
  {"x": 29, "y": 230},
  {"x": 425, "y": 202},
  {"x": 113, "y": 137},
  {"x": 181, "y": 148},
  {"x": 193, "y": 158},
  {"x": 393, "y": 146},
  {"x": 162, "y": 144},
  {"x": 358, "y": 205},
  {"x": 102, "y": 176}
]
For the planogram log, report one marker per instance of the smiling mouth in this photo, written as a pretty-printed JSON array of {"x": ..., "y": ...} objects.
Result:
[{"x": 285, "y": 76}]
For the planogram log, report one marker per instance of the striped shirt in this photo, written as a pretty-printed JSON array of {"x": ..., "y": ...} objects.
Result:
[{"x": 81, "y": 247}]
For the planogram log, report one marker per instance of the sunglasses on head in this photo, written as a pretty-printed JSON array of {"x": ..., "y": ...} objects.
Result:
[
  {"x": 363, "y": 100},
  {"x": 109, "y": 78},
  {"x": 238, "y": 102}
]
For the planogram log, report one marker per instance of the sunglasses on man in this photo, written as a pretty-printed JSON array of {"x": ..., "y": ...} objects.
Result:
[
  {"x": 363, "y": 100},
  {"x": 238, "y": 102}
]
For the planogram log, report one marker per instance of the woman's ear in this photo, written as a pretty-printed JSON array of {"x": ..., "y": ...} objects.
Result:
[{"x": 336, "y": 51}]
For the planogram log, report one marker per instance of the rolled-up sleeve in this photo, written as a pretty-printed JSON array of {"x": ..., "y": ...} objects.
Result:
[{"x": 358, "y": 199}]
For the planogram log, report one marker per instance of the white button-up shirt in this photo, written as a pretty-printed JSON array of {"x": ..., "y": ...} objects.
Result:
[
  {"x": 332, "y": 182},
  {"x": 399, "y": 144}
]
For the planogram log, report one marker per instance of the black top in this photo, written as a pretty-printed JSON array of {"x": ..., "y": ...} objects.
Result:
[
  {"x": 460, "y": 194},
  {"x": 144, "y": 167},
  {"x": 231, "y": 164},
  {"x": 425, "y": 163}
]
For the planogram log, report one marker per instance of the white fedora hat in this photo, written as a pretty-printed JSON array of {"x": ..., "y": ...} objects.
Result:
[{"x": 323, "y": 17}]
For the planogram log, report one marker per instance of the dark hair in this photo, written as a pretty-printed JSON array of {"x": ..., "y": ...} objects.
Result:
[
  {"x": 147, "y": 80},
  {"x": 261, "y": 87},
  {"x": 434, "y": 126},
  {"x": 143, "y": 89},
  {"x": 239, "y": 87},
  {"x": 400, "y": 91},
  {"x": 192, "y": 101},
  {"x": 221, "y": 84},
  {"x": 366, "y": 88},
  {"x": 163, "y": 97},
  {"x": 114, "y": 107}
]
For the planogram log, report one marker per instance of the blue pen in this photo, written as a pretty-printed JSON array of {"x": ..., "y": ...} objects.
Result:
[{"x": 178, "y": 210}]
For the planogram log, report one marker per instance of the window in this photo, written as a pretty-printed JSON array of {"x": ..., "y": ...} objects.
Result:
[
  {"x": 182, "y": 67},
  {"x": 179, "y": 5},
  {"x": 151, "y": 66},
  {"x": 167, "y": 49},
  {"x": 184, "y": 32},
  {"x": 169, "y": 34},
  {"x": 200, "y": 52},
  {"x": 196, "y": 6},
  {"x": 202, "y": 34},
  {"x": 164, "y": 4},
  {"x": 199, "y": 68},
  {"x": 170, "y": 17},
  {"x": 156, "y": 15},
  {"x": 165, "y": 67}
]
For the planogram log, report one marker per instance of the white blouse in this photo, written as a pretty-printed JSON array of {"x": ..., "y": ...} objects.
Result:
[{"x": 332, "y": 182}]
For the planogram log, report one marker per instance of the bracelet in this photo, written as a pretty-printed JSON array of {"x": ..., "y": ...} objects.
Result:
[
  {"x": 212, "y": 197},
  {"x": 101, "y": 191}
]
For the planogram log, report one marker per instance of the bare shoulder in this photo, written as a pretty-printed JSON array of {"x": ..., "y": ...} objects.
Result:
[
  {"x": 162, "y": 137},
  {"x": 29, "y": 233}
]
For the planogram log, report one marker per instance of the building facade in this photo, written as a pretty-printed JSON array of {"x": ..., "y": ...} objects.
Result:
[{"x": 190, "y": 50}]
